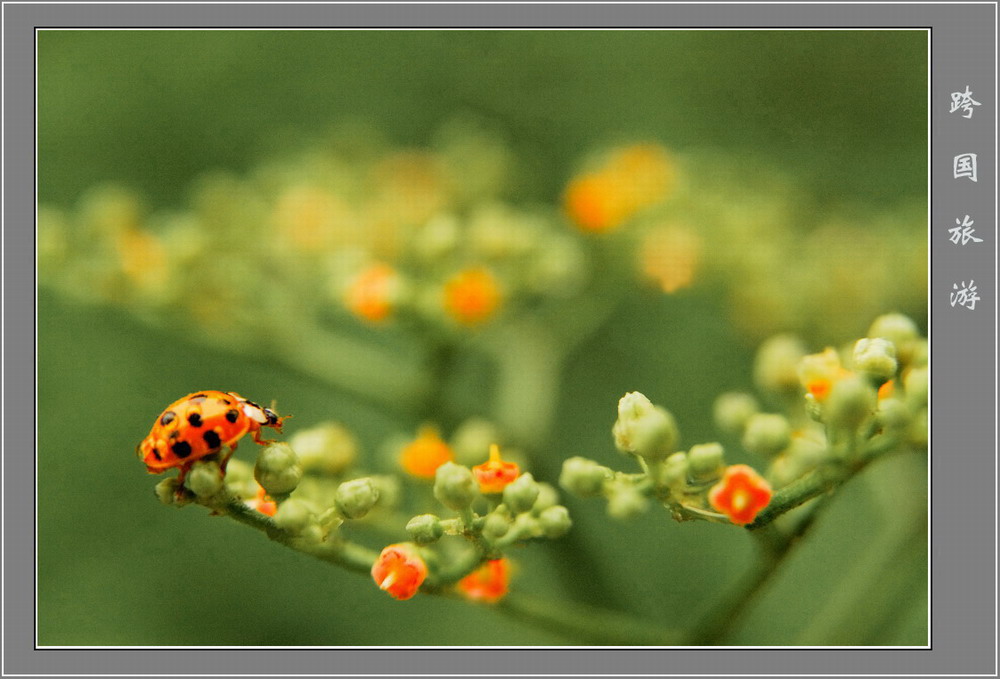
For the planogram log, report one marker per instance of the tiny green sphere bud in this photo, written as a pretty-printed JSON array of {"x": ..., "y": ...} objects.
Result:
[
  {"x": 675, "y": 470},
  {"x": 893, "y": 414},
  {"x": 205, "y": 478},
  {"x": 454, "y": 486},
  {"x": 555, "y": 521},
  {"x": 705, "y": 461},
  {"x": 775, "y": 367},
  {"x": 496, "y": 526},
  {"x": 875, "y": 357},
  {"x": 425, "y": 529},
  {"x": 767, "y": 434},
  {"x": 626, "y": 501},
  {"x": 277, "y": 469},
  {"x": 520, "y": 494},
  {"x": 644, "y": 429},
  {"x": 166, "y": 491},
  {"x": 733, "y": 409},
  {"x": 916, "y": 387},
  {"x": 294, "y": 515},
  {"x": 356, "y": 498},
  {"x": 898, "y": 329},
  {"x": 547, "y": 497},
  {"x": 583, "y": 477},
  {"x": 328, "y": 448},
  {"x": 851, "y": 400}
]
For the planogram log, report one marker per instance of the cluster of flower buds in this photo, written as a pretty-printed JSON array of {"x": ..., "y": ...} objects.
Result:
[{"x": 841, "y": 409}]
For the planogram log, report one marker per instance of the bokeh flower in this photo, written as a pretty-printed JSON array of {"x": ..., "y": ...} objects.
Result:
[
  {"x": 425, "y": 454},
  {"x": 472, "y": 296}
]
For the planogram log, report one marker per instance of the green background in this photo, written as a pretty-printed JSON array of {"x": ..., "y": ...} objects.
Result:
[{"x": 843, "y": 112}]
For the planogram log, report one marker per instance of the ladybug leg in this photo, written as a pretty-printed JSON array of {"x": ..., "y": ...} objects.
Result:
[
  {"x": 227, "y": 453},
  {"x": 181, "y": 490},
  {"x": 258, "y": 439}
]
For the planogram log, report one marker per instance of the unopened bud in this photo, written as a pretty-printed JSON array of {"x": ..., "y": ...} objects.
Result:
[
  {"x": 555, "y": 521},
  {"x": 583, "y": 477},
  {"x": 425, "y": 529},
  {"x": 851, "y": 401},
  {"x": 295, "y": 515},
  {"x": 644, "y": 429},
  {"x": 454, "y": 486},
  {"x": 705, "y": 461},
  {"x": 626, "y": 501},
  {"x": 733, "y": 409},
  {"x": 520, "y": 494},
  {"x": 356, "y": 498},
  {"x": 496, "y": 526},
  {"x": 205, "y": 478},
  {"x": 277, "y": 469},
  {"x": 767, "y": 434},
  {"x": 876, "y": 357},
  {"x": 675, "y": 470}
]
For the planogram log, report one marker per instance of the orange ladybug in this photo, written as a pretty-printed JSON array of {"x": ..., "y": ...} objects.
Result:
[{"x": 202, "y": 424}]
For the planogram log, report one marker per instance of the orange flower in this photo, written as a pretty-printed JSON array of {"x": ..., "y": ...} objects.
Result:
[
  {"x": 595, "y": 203},
  {"x": 488, "y": 583},
  {"x": 741, "y": 494},
  {"x": 399, "y": 570},
  {"x": 373, "y": 293},
  {"x": 819, "y": 372},
  {"x": 669, "y": 257},
  {"x": 494, "y": 474},
  {"x": 471, "y": 296},
  {"x": 262, "y": 503},
  {"x": 425, "y": 454}
]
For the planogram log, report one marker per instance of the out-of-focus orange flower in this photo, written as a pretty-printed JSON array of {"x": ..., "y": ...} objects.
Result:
[
  {"x": 399, "y": 570},
  {"x": 488, "y": 583},
  {"x": 887, "y": 389},
  {"x": 372, "y": 295},
  {"x": 472, "y": 296},
  {"x": 425, "y": 454},
  {"x": 669, "y": 256},
  {"x": 494, "y": 474},
  {"x": 630, "y": 179},
  {"x": 819, "y": 372},
  {"x": 741, "y": 494}
]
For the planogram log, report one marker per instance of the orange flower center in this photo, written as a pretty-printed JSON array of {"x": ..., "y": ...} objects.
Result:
[
  {"x": 472, "y": 296},
  {"x": 494, "y": 475}
]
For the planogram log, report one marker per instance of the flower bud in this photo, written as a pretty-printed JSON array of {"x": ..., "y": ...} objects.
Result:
[
  {"x": 356, "y": 498},
  {"x": 454, "y": 486},
  {"x": 204, "y": 479},
  {"x": 277, "y": 469},
  {"x": 733, "y": 409},
  {"x": 675, "y": 470},
  {"x": 555, "y": 521},
  {"x": 496, "y": 526},
  {"x": 916, "y": 387},
  {"x": 644, "y": 429},
  {"x": 328, "y": 448},
  {"x": 166, "y": 492},
  {"x": 425, "y": 529},
  {"x": 818, "y": 373},
  {"x": 851, "y": 401},
  {"x": 520, "y": 494},
  {"x": 583, "y": 477},
  {"x": 898, "y": 329},
  {"x": 776, "y": 364},
  {"x": 767, "y": 434},
  {"x": 547, "y": 497},
  {"x": 626, "y": 501},
  {"x": 295, "y": 515},
  {"x": 875, "y": 357},
  {"x": 893, "y": 414},
  {"x": 705, "y": 461}
]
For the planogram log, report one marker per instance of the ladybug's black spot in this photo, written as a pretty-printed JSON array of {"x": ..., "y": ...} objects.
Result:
[
  {"x": 174, "y": 434},
  {"x": 168, "y": 417},
  {"x": 212, "y": 439},
  {"x": 233, "y": 415},
  {"x": 194, "y": 419},
  {"x": 181, "y": 449}
]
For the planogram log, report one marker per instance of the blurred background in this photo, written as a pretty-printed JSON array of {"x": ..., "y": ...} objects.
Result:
[{"x": 810, "y": 144}]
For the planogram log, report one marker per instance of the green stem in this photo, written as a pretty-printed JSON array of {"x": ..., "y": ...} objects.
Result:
[{"x": 585, "y": 624}]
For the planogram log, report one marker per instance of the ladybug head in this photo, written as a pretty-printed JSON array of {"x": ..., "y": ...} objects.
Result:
[{"x": 272, "y": 418}]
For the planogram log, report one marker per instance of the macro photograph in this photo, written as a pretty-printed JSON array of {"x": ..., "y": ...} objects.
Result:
[{"x": 482, "y": 338}]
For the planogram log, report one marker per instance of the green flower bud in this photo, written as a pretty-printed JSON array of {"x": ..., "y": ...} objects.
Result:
[
  {"x": 705, "y": 461},
  {"x": 875, "y": 357},
  {"x": 733, "y": 409},
  {"x": 675, "y": 470},
  {"x": 239, "y": 479},
  {"x": 295, "y": 515},
  {"x": 547, "y": 497},
  {"x": 644, "y": 429},
  {"x": 555, "y": 521},
  {"x": 205, "y": 478},
  {"x": 626, "y": 501},
  {"x": 776, "y": 364},
  {"x": 767, "y": 434},
  {"x": 277, "y": 469},
  {"x": 851, "y": 400},
  {"x": 328, "y": 448},
  {"x": 521, "y": 493},
  {"x": 496, "y": 526},
  {"x": 893, "y": 414},
  {"x": 454, "y": 486},
  {"x": 425, "y": 529},
  {"x": 166, "y": 492},
  {"x": 583, "y": 477},
  {"x": 916, "y": 386},
  {"x": 356, "y": 498},
  {"x": 900, "y": 330}
]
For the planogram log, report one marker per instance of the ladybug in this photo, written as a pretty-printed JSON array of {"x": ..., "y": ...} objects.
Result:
[{"x": 202, "y": 424}]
